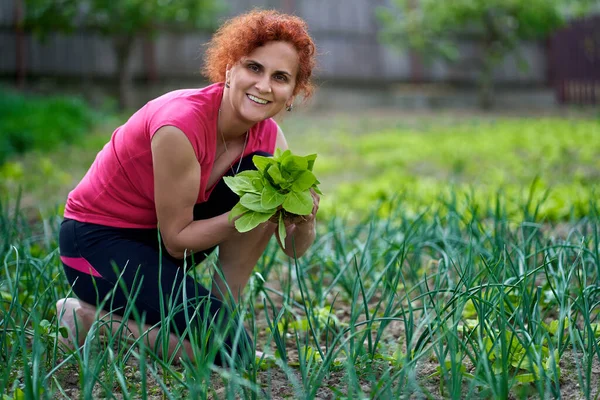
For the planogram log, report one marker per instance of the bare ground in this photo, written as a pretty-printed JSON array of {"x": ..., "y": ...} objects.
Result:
[{"x": 277, "y": 384}]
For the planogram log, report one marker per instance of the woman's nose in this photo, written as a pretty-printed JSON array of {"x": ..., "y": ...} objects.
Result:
[{"x": 263, "y": 85}]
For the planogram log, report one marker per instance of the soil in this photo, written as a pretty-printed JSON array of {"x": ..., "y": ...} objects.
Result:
[{"x": 276, "y": 384}]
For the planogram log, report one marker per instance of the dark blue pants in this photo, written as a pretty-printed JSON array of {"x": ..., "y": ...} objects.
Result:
[{"x": 111, "y": 266}]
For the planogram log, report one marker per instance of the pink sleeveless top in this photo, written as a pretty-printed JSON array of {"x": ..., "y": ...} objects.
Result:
[{"x": 118, "y": 189}]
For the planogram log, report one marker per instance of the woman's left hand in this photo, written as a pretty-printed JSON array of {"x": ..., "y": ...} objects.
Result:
[{"x": 300, "y": 230}]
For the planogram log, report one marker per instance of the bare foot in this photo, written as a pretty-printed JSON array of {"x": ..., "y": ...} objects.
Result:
[{"x": 73, "y": 314}]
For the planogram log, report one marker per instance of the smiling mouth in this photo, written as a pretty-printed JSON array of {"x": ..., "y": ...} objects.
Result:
[{"x": 258, "y": 100}]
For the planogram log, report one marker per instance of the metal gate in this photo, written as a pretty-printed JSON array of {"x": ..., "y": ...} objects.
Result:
[{"x": 575, "y": 62}]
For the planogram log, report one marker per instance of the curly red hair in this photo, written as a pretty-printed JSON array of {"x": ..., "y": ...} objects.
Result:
[{"x": 239, "y": 36}]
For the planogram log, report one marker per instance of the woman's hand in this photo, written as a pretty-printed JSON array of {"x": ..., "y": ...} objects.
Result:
[{"x": 300, "y": 230}]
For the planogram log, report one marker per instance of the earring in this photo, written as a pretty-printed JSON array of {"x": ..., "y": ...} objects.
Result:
[
  {"x": 227, "y": 85},
  {"x": 289, "y": 108}
]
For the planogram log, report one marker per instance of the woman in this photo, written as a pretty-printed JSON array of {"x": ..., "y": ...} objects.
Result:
[{"x": 154, "y": 197}]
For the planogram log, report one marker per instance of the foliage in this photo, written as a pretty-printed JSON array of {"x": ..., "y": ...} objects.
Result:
[
  {"x": 123, "y": 21},
  {"x": 121, "y": 18},
  {"x": 447, "y": 304},
  {"x": 497, "y": 26},
  {"x": 472, "y": 160},
  {"x": 38, "y": 123},
  {"x": 279, "y": 188}
]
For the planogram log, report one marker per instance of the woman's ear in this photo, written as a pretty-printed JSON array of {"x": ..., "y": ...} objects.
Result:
[
  {"x": 227, "y": 73},
  {"x": 289, "y": 105}
]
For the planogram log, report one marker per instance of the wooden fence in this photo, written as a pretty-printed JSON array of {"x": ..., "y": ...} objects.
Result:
[
  {"x": 575, "y": 60},
  {"x": 345, "y": 32}
]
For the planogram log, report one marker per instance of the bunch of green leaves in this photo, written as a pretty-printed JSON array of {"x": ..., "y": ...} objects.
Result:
[{"x": 280, "y": 187}]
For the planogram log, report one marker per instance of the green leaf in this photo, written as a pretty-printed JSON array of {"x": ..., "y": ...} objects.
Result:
[
  {"x": 253, "y": 201},
  {"x": 310, "y": 159},
  {"x": 300, "y": 203},
  {"x": 259, "y": 184},
  {"x": 262, "y": 162},
  {"x": 281, "y": 155},
  {"x": 275, "y": 174},
  {"x": 554, "y": 326},
  {"x": 304, "y": 181},
  {"x": 525, "y": 378},
  {"x": 236, "y": 211},
  {"x": 312, "y": 355},
  {"x": 294, "y": 163},
  {"x": 282, "y": 230},
  {"x": 63, "y": 331},
  {"x": 239, "y": 184},
  {"x": 271, "y": 198},
  {"x": 251, "y": 220},
  {"x": 253, "y": 174},
  {"x": 19, "y": 394},
  {"x": 596, "y": 328},
  {"x": 287, "y": 176},
  {"x": 553, "y": 360}
]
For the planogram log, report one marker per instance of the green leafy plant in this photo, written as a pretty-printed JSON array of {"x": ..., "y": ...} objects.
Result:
[
  {"x": 280, "y": 188},
  {"x": 29, "y": 122},
  {"x": 518, "y": 357}
]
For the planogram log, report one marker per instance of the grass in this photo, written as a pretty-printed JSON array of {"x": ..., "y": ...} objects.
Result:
[{"x": 454, "y": 297}]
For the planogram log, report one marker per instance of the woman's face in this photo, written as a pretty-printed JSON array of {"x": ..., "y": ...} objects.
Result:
[{"x": 263, "y": 82}]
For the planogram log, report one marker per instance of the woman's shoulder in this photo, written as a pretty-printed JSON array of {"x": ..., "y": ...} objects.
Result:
[
  {"x": 184, "y": 108},
  {"x": 194, "y": 97}
]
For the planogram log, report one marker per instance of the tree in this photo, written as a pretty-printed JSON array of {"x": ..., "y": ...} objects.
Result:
[
  {"x": 120, "y": 20},
  {"x": 433, "y": 28}
]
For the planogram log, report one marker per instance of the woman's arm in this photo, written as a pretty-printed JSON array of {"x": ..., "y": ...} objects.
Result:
[
  {"x": 300, "y": 233},
  {"x": 176, "y": 187}
]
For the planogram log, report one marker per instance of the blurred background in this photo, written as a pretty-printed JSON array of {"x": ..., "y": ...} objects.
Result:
[
  {"x": 373, "y": 53},
  {"x": 73, "y": 70}
]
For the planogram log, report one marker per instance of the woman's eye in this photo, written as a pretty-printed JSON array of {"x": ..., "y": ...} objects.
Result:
[
  {"x": 281, "y": 78},
  {"x": 253, "y": 67}
]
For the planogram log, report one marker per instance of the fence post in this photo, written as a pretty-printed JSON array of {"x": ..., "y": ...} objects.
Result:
[{"x": 148, "y": 48}]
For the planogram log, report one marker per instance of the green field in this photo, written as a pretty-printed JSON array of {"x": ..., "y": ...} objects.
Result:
[{"x": 457, "y": 256}]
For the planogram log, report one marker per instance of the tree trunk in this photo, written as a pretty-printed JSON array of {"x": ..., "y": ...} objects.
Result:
[
  {"x": 486, "y": 83},
  {"x": 122, "y": 46},
  {"x": 490, "y": 44}
]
